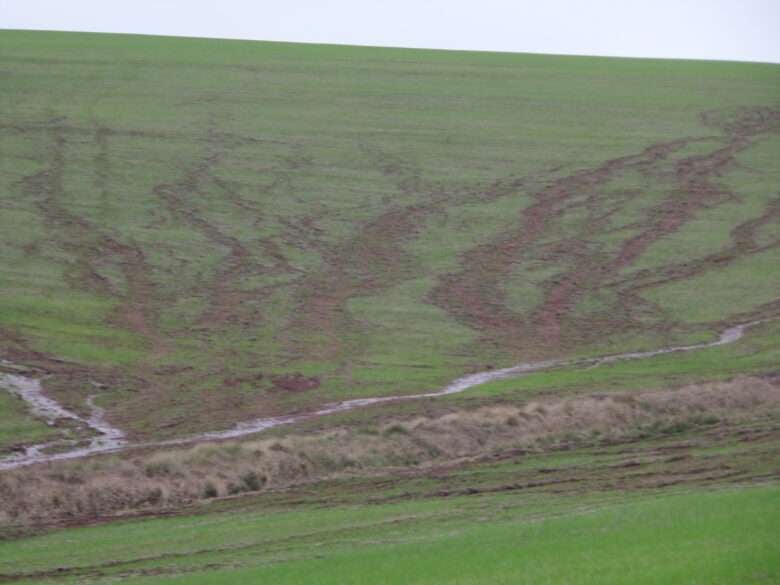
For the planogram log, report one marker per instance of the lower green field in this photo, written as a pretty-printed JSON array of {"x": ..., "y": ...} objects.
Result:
[{"x": 721, "y": 537}]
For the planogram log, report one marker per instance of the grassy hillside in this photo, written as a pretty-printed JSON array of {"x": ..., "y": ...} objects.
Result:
[{"x": 213, "y": 230}]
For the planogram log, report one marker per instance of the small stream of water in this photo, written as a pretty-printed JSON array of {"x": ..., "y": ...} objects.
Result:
[{"x": 110, "y": 439}]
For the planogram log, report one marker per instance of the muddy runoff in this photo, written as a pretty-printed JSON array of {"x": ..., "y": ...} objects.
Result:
[{"x": 109, "y": 439}]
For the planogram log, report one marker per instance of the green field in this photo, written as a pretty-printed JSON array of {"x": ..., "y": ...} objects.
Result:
[
  {"x": 722, "y": 537},
  {"x": 195, "y": 233},
  {"x": 200, "y": 223}
]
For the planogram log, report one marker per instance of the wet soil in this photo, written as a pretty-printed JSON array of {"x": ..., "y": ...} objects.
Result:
[
  {"x": 475, "y": 294},
  {"x": 111, "y": 439}
]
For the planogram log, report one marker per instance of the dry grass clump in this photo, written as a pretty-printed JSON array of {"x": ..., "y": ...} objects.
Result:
[{"x": 107, "y": 485}]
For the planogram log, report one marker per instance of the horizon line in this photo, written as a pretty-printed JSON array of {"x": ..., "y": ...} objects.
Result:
[{"x": 400, "y": 47}]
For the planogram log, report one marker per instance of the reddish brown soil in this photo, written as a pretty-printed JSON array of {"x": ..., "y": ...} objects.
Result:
[
  {"x": 370, "y": 261},
  {"x": 367, "y": 263},
  {"x": 227, "y": 299},
  {"x": 90, "y": 243},
  {"x": 224, "y": 297},
  {"x": 295, "y": 382},
  {"x": 475, "y": 296},
  {"x": 374, "y": 259},
  {"x": 743, "y": 243}
]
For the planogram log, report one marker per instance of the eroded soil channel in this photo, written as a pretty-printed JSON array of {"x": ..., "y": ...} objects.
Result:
[
  {"x": 107, "y": 437},
  {"x": 110, "y": 439}
]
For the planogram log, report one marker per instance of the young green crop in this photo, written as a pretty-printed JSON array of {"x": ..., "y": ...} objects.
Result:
[
  {"x": 724, "y": 537},
  {"x": 192, "y": 219}
]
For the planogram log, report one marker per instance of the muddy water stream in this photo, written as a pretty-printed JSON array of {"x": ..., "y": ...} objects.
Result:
[
  {"x": 110, "y": 439},
  {"x": 107, "y": 437}
]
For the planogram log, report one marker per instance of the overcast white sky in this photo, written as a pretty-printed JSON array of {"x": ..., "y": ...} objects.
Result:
[{"x": 698, "y": 29}]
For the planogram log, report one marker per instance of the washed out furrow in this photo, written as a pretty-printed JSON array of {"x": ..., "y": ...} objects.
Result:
[{"x": 90, "y": 242}]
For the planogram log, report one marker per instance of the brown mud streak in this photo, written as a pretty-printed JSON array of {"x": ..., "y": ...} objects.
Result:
[
  {"x": 374, "y": 259},
  {"x": 743, "y": 244},
  {"x": 743, "y": 240},
  {"x": 224, "y": 298},
  {"x": 280, "y": 179},
  {"x": 696, "y": 190},
  {"x": 474, "y": 295},
  {"x": 371, "y": 261},
  {"x": 134, "y": 312}
]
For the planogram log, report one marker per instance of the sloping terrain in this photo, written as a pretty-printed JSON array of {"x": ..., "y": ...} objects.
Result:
[
  {"x": 209, "y": 231},
  {"x": 567, "y": 267}
]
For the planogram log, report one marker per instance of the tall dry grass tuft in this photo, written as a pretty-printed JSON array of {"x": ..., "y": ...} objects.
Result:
[{"x": 107, "y": 485}]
